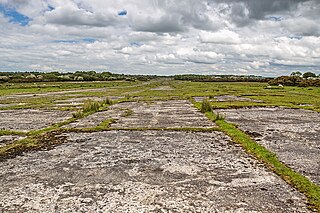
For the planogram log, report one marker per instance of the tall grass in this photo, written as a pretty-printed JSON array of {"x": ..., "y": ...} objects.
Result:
[
  {"x": 206, "y": 106},
  {"x": 91, "y": 106}
]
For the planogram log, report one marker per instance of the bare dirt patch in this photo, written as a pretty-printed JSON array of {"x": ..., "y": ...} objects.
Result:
[
  {"x": 293, "y": 134},
  {"x": 31, "y": 119},
  {"x": 148, "y": 171},
  {"x": 161, "y": 114}
]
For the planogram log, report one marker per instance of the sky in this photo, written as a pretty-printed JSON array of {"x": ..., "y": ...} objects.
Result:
[{"x": 162, "y": 37}]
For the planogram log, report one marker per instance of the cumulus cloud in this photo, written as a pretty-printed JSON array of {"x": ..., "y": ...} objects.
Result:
[
  {"x": 161, "y": 37},
  {"x": 220, "y": 37},
  {"x": 70, "y": 16}
]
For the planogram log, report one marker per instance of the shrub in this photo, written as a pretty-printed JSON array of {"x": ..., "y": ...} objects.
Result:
[
  {"x": 206, "y": 106},
  {"x": 294, "y": 81}
]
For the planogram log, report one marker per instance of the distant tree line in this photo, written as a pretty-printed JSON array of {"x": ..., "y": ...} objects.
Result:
[
  {"x": 221, "y": 78},
  {"x": 297, "y": 79},
  {"x": 24, "y": 77}
]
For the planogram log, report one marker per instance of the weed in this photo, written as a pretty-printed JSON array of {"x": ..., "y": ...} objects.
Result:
[
  {"x": 127, "y": 112},
  {"x": 107, "y": 101},
  {"x": 104, "y": 125},
  {"x": 206, "y": 106},
  {"x": 127, "y": 97},
  {"x": 219, "y": 117},
  {"x": 91, "y": 106},
  {"x": 78, "y": 114}
]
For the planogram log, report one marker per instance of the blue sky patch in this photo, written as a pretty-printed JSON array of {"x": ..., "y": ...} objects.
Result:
[
  {"x": 14, "y": 16},
  {"x": 135, "y": 44},
  {"x": 122, "y": 13},
  {"x": 50, "y": 8},
  {"x": 275, "y": 18}
]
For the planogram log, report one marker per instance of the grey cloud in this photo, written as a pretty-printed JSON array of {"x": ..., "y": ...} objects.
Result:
[
  {"x": 165, "y": 23},
  {"x": 243, "y": 12},
  {"x": 174, "y": 16},
  {"x": 75, "y": 16},
  {"x": 302, "y": 26}
]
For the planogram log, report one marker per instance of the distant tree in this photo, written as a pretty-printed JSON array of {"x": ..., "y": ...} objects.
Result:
[
  {"x": 308, "y": 74},
  {"x": 296, "y": 74}
]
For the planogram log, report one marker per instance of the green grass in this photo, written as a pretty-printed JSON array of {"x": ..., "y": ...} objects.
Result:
[
  {"x": 293, "y": 97},
  {"x": 41, "y": 87},
  {"x": 11, "y": 132}
]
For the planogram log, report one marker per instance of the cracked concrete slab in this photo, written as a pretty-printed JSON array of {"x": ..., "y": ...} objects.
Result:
[
  {"x": 144, "y": 171},
  {"x": 161, "y": 114},
  {"x": 31, "y": 119},
  {"x": 293, "y": 134},
  {"x": 95, "y": 119}
]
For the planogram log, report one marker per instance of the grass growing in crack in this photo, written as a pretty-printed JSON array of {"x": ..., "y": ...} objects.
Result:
[
  {"x": 206, "y": 106},
  {"x": 298, "y": 181},
  {"x": 127, "y": 112},
  {"x": 107, "y": 101},
  {"x": 17, "y": 147},
  {"x": 78, "y": 114},
  {"x": 218, "y": 117},
  {"x": 303, "y": 184},
  {"x": 11, "y": 132},
  {"x": 91, "y": 106},
  {"x": 104, "y": 125},
  {"x": 32, "y": 141}
]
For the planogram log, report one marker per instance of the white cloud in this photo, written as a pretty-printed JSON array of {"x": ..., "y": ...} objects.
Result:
[
  {"x": 162, "y": 37},
  {"x": 220, "y": 37}
]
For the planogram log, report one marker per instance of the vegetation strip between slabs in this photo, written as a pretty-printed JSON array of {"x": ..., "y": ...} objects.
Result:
[
  {"x": 34, "y": 140},
  {"x": 269, "y": 159}
]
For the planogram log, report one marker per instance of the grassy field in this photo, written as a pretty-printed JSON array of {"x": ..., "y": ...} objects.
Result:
[{"x": 293, "y": 97}]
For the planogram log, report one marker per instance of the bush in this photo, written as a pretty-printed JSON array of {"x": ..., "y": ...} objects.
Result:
[
  {"x": 294, "y": 81},
  {"x": 206, "y": 106}
]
